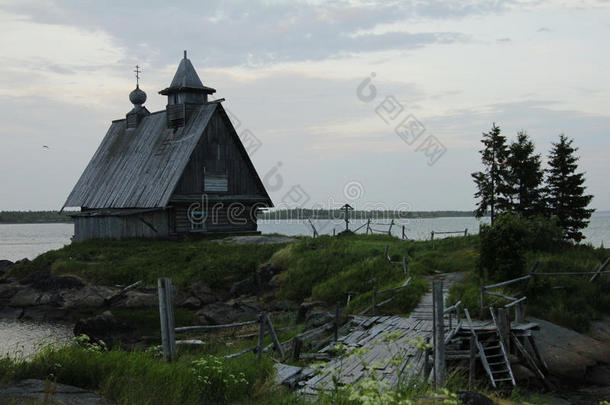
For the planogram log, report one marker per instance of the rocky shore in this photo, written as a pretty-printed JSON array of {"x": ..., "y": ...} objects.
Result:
[{"x": 578, "y": 365}]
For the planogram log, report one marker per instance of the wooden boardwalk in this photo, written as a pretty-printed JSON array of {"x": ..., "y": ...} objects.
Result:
[{"x": 386, "y": 348}]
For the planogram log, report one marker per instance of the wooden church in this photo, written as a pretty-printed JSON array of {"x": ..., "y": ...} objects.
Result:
[{"x": 179, "y": 171}]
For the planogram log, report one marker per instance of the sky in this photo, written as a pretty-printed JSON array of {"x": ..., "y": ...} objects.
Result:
[{"x": 380, "y": 104}]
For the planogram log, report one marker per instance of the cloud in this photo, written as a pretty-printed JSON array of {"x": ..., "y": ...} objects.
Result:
[{"x": 253, "y": 33}]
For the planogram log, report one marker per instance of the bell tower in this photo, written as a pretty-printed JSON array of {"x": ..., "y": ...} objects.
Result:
[{"x": 184, "y": 94}]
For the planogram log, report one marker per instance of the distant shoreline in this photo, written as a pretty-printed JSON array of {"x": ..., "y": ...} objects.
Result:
[{"x": 46, "y": 217}]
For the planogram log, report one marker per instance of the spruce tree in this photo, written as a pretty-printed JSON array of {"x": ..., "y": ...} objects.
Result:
[
  {"x": 491, "y": 181},
  {"x": 524, "y": 183},
  {"x": 566, "y": 198}
]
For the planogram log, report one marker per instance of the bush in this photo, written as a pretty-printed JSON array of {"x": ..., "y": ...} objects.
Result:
[{"x": 505, "y": 243}]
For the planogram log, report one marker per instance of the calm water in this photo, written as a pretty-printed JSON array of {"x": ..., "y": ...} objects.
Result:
[
  {"x": 22, "y": 339},
  {"x": 29, "y": 240}
]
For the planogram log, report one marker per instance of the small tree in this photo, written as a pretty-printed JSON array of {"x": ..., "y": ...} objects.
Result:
[
  {"x": 491, "y": 182},
  {"x": 524, "y": 183},
  {"x": 566, "y": 198}
]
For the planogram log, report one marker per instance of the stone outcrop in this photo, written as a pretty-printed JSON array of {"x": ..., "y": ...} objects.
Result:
[
  {"x": 570, "y": 356},
  {"x": 106, "y": 328}
]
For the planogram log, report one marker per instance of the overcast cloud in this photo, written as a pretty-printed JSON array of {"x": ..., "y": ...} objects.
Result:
[{"x": 290, "y": 70}]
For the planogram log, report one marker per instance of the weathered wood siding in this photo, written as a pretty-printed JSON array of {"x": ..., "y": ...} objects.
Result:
[
  {"x": 219, "y": 152},
  {"x": 125, "y": 226},
  {"x": 216, "y": 219}
]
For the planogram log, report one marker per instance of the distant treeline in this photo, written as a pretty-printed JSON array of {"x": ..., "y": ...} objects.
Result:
[
  {"x": 302, "y": 213},
  {"x": 33, "y": 217}
]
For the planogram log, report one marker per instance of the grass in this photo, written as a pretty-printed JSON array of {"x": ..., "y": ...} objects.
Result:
[
  {"x": 327, "y": 268},
  {"x": 109, "y": 262},
  {"x": 569, "y": 301},
  {"x": 140, "y": 377}
]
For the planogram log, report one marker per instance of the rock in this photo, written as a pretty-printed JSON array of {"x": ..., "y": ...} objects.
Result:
[
  {"x": 82, "y": 298},
  {"x": 304, "y": 308},
  {"x": 522, "y": 373},
  {"x": 569, "y": 355},
  {"x": 284, "y": 306},
  {"x": 599, "y": 375},
  {"x": 138, "y": 299},
  {"x": 8, "y": 290},
  {"x": 4, "y": 266},
  {"x": 259, "y": 281},
  {"x": 203, "y": 293},
  {"x": 473, "y": 398},
  {"x": 33, "y": 392},
  {"x": 25, "y": 260},
  {"x": 11, "y": 314},
  {"x": 26, "y": 297},
  {"x": 191, "y": 303},
  {"x": 45, "y": 313},
  {"x": 106, "y": 328},
  {"x": 317, "y": 318},
  {"x": 45, "y": 281},
  {"x": 220, "y": 313}
]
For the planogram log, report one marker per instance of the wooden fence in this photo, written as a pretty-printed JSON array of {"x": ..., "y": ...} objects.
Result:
[
  {"x": 392, "y": 291},
  {"x": 168, "y": 330},
  {"x": 432, "y": 233},
  {"x": 519, "y": 303}
]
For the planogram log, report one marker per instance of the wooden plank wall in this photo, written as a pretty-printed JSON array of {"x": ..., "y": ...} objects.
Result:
[
  {"x": 217, "y": 153},
  {"x": 118, "y": 227}
]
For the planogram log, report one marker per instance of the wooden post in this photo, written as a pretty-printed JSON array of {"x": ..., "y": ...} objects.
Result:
[
  {"x": 374, "y": 301},
  {"x": 166, "y": 315},
  {"x": 504, "y": 327},
  {"x": 472, "y": 365},
  {"x": 404, "y": 235},
  {"x": 482, "y": 302},
  {"x": 337, "y": 314},
  {"x": 276, "y": 341},
  {"x": 520, "y": 313},
  {"x": 296, "y": 348},
  {"x": 390, "y": 229},
  {"x": 333, "y": 231},
  {"x": 261, "y": 335},
  {"x": 427, "y": 364},
  {"x": 466, "y": 232},
  {"x": 439, "y": 334},
  {"x": 368, "y": 226}
]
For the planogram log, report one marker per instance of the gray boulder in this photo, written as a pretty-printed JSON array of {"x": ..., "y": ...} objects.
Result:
[
  {"x": 569, "y": 355},
  {"x": 106, "y": 328},
  {"x": 8, "y": 290},
  {"x": 138, "y": 299},
  {"x": 26, "y": 297},
  {"x": 203, "y": 293},
  {"x": 4, "y": 266},
  {"x": 83, "y": 298}
]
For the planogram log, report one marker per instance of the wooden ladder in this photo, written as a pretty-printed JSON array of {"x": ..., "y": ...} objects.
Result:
[
  {"x": 496, "y": 365},
  {"x": 497, "y": 357}
]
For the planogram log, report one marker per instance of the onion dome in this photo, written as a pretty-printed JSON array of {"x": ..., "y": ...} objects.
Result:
[{"x": 137, "y": 96}]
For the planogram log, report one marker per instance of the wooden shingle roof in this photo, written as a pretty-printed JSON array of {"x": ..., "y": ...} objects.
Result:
[{"x": 139, "y": 168}]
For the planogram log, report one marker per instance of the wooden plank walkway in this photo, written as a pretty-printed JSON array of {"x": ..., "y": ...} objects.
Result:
[{"x": 378, "y": 355}]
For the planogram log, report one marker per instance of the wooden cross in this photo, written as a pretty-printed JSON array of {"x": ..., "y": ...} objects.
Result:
[
  {"x": 347, "y": 208},
  {"x": 138, "y": 71}
]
